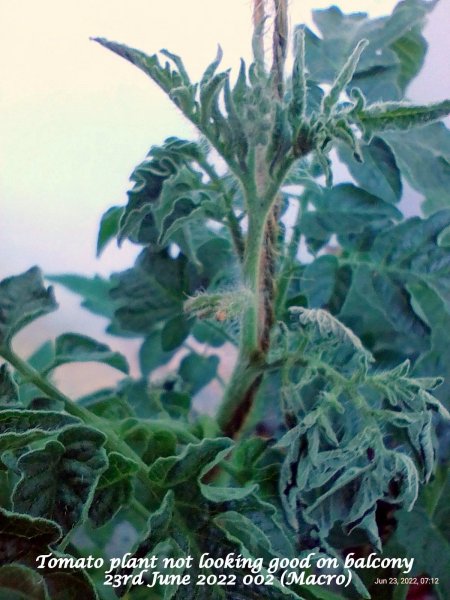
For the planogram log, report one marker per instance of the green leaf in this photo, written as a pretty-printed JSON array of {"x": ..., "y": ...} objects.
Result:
[
  {"x": 242, "y": 530},
  {"x": 381, "y": 72},
  {"x": 42, "y": 356},
  {"x": 159, "y": 525},
  {"x": 178, "y": 62},
  {"x": 423, "y": 156},
  {"x": 325, "y": 284},
  {"x": 158, "y": 173},
  {"x": 21, "y": 427},
  {"x": 174, "y": 332},
  {"x": 176, "y": 403},
  {"x": 150, "y": 443},
  {"x": 18, "y": 582},
  {"x": 238, "y": 137},
  {"x": 107, "y": 403},
  {"x": 322, "y": 594},
  {"x": 343, "y": 78},
  {"x": 59, "y": 480},
  {"x": 148, "y": 64},
  {"x": 192, "y": 465},
  {"x": 434, "y": 361},
  {"x": 143, "y": 399},
  {"x": 114, "y": 489},
  {"x": 39, "y": 360},
  {"x": 391, "y": 116},
  {"x": 159, "y": 402},
  {"x": 152, "y": 292},
  {"x": 23, "y": 298},
  {"x": 73, "y": 347},
  {"x": 209, "y": 333},
  {"x": 185, "y": 200},
  {"x": 297, "y": 107},
  {"x": 444, "y": 238},
  {"x": 93, "y": 290},
  {"x": 318, "y": 280},
  {"x": 411, "y": 49},
  {"x": 378, "y": 304},
  {"x": 346, "y": 210},
  {"x": 197, "y": 371},
  {"x": 155, "y": 289},
  {"x": 217, "y": 260},
  {"x": 151, "y": 353},
  {"x": 209, "y": 93},
  {"x": 159, "y": 521},
  {"x": 109, "y": 227},
  {"x": 184, "y": 210},
  {"x": 9, "y": 393},
  {"x": 173, "y": 470},
  {"x": 212, "y": 68},
  {"x": 378, "y": 172},
  {"x": 252, "y": 542},
  {"x": 425, "y": 539},
  {"x": 410, "y": 249}
]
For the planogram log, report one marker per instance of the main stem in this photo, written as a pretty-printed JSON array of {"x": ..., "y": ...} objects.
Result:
[
  {"x": 260, "y": 251},
  {"x": 247, "y": 375}
]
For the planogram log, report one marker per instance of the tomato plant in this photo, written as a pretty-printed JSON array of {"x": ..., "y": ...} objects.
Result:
[{"x": 330, "y": 435}]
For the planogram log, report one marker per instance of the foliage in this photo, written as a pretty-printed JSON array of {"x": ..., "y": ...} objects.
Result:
[{"x": 335, "y": 411}]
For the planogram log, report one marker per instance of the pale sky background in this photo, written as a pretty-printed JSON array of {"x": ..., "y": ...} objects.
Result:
[{"x": 76, "y": 119}]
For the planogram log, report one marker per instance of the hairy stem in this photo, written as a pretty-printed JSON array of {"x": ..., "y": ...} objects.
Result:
[
  {"x": 246, "y": 377},
  {"x": 257, "y": 321},
  {"x": 260, "y": 252},
  {"x": 253, "y": 280},
  {"x": 239, "y": 396}
]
